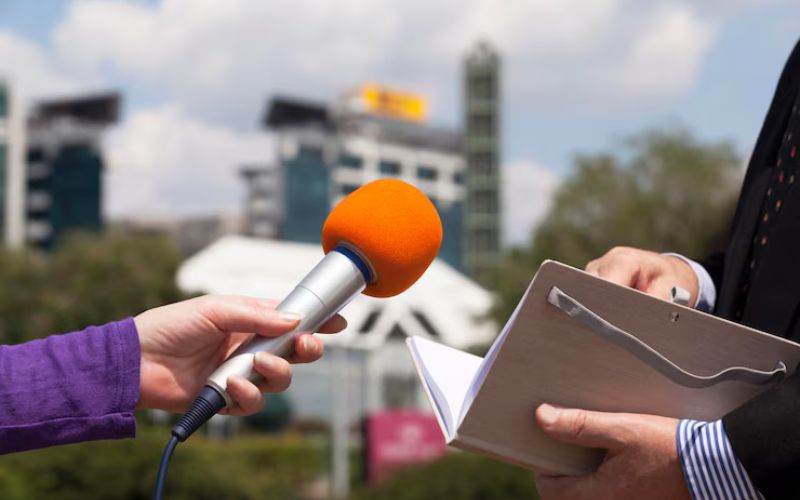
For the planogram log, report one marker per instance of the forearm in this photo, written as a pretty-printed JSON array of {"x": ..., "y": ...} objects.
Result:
[{"x": 69, "y": 388}]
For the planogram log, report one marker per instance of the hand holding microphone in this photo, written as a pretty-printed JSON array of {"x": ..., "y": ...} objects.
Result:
[
  {"x": 181, "y": 344},
  {"x": 379, "y": 241}
]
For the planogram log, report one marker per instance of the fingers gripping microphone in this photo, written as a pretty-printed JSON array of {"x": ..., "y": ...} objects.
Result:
[{"x": 378, "y": 240}]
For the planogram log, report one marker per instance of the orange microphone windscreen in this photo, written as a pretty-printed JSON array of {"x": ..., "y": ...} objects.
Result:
[{"x": 394, "y": 226}]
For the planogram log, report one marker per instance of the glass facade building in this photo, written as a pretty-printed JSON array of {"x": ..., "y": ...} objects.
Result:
[
  {"x": 324, "y": 155},
  {"x": 5, "y": 151},
  {"x": 307, "y": 198},
  {"x": 482, "y": 219},
  {"x": 68, "y": 197},
  {"x": 65, "y": 167}
]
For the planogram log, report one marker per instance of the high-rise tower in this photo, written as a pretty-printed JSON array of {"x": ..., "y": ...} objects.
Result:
[{"x": 482, "y": 156}]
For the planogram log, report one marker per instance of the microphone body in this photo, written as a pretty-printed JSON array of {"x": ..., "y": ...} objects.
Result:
[{"x": 336, "y": 280}]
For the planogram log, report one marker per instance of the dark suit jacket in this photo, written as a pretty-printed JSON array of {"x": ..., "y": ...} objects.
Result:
[{"x": 765, "y": 433}]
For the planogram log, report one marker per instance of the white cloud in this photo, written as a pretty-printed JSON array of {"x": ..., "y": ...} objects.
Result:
[
  {"x": 162, "y": 162},
  {"x": 212, "y": 64},
  {"x": 528, "y": 191},
  {"x": 224, "y": 58},
  {"x": 31, "y": 70}
]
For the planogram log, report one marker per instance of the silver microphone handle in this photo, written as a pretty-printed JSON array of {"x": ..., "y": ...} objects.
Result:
[{"x": 324, "y": 291}]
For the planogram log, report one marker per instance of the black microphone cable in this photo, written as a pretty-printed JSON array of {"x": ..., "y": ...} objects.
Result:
[{"x": 205, "y": 406}]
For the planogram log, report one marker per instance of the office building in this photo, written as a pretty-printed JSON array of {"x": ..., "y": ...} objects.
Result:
[
  {"x": 482, "y": 220},
  {"x": 12, "y": 168},
  {"x": 65, "y": 165},
  {"x": 5, "y": 149},
  {"x": 263, "y": 204},
  {"x": 326, "y": 151}
]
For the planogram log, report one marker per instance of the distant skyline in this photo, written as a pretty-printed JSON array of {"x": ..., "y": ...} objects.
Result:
[{"x": 578, "y": 75}]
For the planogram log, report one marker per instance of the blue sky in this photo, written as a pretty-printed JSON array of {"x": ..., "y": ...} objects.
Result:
[{"x": 578, "y": 76}]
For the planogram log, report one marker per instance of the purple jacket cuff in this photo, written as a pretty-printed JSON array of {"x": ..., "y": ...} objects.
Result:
[{"x": 62, "y": 389}]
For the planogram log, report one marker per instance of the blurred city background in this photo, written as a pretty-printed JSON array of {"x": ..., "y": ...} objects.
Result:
[{"x": 155, "y": 150}]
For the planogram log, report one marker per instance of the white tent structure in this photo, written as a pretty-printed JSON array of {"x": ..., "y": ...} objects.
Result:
[{"x": 443, "y": 305}]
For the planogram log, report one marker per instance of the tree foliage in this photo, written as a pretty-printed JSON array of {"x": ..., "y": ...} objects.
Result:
[
  {"x": 664, "y": 190},
  {"x": 459, "y": 476},
  {"x": 87, "y": 280},
  {"x": 250, "y": 467}
]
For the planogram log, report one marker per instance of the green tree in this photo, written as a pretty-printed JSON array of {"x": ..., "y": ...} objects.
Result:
[
  {"x": 664, "y": 190},
  {"x": 87, "y": 280},
  {"x": 458, "y": 476}
]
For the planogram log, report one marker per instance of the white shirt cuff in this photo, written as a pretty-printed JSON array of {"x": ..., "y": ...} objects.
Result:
[{"x": 706, "y": 290}]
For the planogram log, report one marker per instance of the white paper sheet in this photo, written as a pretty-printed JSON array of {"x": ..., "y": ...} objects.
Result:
[{"x": 448, "y": 373}]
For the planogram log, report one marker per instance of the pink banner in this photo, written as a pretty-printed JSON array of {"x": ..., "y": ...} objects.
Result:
[{"x": 396, "y": 438}]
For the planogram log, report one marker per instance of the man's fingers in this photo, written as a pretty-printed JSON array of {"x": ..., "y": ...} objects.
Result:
[
  {"x": 565, "y": 487},
  {"x": 247, "y": 314},
  {"x": 590, "y": 429},
  {"x": 619, "y": 272},
  {"x": 661, "y": 288},
  {"x": 307, "y": 349},
  {"x": 619, "y": 265},
  {"x": 246, "y": 397}
]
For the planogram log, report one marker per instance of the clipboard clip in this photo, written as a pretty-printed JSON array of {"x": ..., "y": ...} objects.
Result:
[{"x": 652, "y": 357}]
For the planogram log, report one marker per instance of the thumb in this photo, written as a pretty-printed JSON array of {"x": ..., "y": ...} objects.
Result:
[
  {"x": 590, "y": 429},
  {"x": 230, "y": 313},
  {"x": 661, "y": 287}
]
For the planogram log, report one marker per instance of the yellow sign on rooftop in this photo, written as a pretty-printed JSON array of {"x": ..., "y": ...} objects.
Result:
[{"x": 394, "y": 103}]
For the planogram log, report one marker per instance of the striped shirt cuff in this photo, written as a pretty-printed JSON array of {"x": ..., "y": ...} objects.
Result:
[{"x": 710, "y": 467}]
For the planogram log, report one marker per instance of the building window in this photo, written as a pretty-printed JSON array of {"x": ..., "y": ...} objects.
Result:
[
  {"x": 485, "y": 202},
  {"x": 369, "y": 322},
  {"x": 310, "y": 153},
  {"x": 427, "y": 173},
  {"x": 351, "y": 161},
  {"x": 35, "y": 154},
  {"x": 481, "y": 125},
  {"x": 387, "y": 167},
  {"x": 426, "y": 324},
  {"x": 399, "y": 391},
  {"x": 348, "y": 188},
  {"x": 481, "y": 164},
  {"x": 481, "y": 87},
  {"x": 485, "y": 240},
  {"x": 3, "y": 102}
]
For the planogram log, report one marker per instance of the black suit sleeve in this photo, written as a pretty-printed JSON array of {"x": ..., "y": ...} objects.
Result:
[
  {"x": 714, "y": 264},
  {"x": 765, "y": 436},
  {"x": 765, "y": 432}
]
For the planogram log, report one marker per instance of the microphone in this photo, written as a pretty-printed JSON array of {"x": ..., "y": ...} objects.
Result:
[{"x": 379, "y": 240}]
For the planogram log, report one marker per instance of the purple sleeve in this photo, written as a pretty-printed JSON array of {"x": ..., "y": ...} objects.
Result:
[{"x": 62, "y": 389}]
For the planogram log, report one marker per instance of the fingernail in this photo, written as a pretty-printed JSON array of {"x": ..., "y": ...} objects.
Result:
[
  {"x": 289, "y": 317},
  {"x": 309, "y": 346},
  {"x": 263, "y": 359},
  {"x": 547, "y": 414}
]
